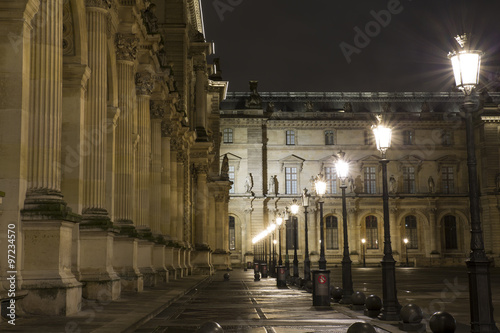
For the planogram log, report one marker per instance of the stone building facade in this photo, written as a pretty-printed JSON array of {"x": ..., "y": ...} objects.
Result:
[
  {"x": 276, "y": 143},
  {"x": 109, "y": 116}
]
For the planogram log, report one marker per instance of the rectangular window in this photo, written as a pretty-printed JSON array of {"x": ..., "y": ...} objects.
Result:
[
  {"x": 371, "y": 232},
  {"x": 409, "y": 180},
  {"x": 411, "y": 232},
  {"x": 331, "y": 180},
  {"x": 329, "y": 138},
  {"x": 369, "y": 138},
  {"x": 447, "y": 138},
  {"x": 370, "y": 180},
  {"x": 231, "y": 177},
  {"x": 448, "y": 180},
  {"x": 290, "y": 137},
  {"x": 227, "y": 135},
  {"x": 332, "y": 232},
  {"x": 232, "y": 233},
  {"x": 408, "y": 137},
  {"x": 290, "y": 180}
]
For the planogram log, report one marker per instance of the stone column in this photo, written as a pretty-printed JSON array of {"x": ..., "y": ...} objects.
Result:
[
  {"x": 157, "y": 112},
  {"x": 126, "y": 46},
  {"x": 201, "y": 206},
  {"x": 174, "y": 217},
  {"x": 166, "y": 181},
  {"x": 181, "y": 187},
  {"x": 125, "y": 247},
  {"x": 47, "y": 223}
]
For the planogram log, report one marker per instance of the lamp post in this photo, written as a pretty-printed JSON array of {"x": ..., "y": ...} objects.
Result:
[
  {"x": 406, "y": 248},
  {"x": 342, "y": 168},
  {"x": 294, "y": 209},
  {"x": 307, "y": 261},
  {"x": 287, "y": 245},
  {"x": 466, "y": 68},
  {"x": 363, "y": 241},
  {"x": 391, "y": 307},
  {"x": 280, "y": 269},
  {"x": 321, "y": 277}
]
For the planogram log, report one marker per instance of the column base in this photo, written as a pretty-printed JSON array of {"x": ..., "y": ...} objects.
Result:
[
  {"x": 221, "y": 260},
  {"x": 201, "y": 260},
  {"x": 159, "y": 263},
  {"x": 145, "y": 263},
  {"x": 169, "y": 263},
  {"x": 177, "y": 263},
  {"x": 103, "y": 290},
  {"x": 125, "y": 263},
  {"x": 52, "y": 297}
]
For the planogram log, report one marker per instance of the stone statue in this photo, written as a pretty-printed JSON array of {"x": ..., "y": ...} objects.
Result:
[
  {"x": 271, "y": 186},
  {"x": 309, "y": 106},
  {"x": 392, "y": 184},
  {"x": 430, "y": 183},
  {"x": 224, "y": 169},
  {"x": 248, "y": 183},
  {"x": 150, "y": 19},
  {"x": 350, "y": 184},
  {"x": 253, "y": 101}
]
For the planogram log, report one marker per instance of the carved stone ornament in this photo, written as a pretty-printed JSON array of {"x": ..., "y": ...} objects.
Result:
[
  {"x": 149, "y": 18},
  {"x": 347, "y": 107},
  {"x": 144, "y": 83},
  {"x": 167, "y": 128},
  {"x": 106, "y": 4},
  {"x": 126, "y": 46},
  {"x": 157, "y": 109},
  {"x": 254, "y": 101}
]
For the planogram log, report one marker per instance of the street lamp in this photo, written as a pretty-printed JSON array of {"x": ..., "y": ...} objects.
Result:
[
  {"x": 294, "y": 209},
  {"x": 406, "y": 247},
  {"x": 307, "y": 261},
  {"x": 280, "y": 269},
  {"x": 363, "y": 241},
  {"x": 466, "y": 68},
  {"x": 391, "y": 307},
  {"x": 321, "y": 277},
  {"x": 287, "y": 245},
  {"x": 342, "y": 168}
]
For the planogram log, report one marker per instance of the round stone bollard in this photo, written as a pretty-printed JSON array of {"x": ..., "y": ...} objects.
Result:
[
  {"x": 210, "y": 327},
  {"x": 308, "y": 286},
  {"x": 442, "y": 322},
  {"x": 361, "y": 327},
  {"x": 226, "y": 277},
  {"x": 411, "y": 317},
  {"x": 358, "y": 301},
  {"x": 336, "y": 294},
  {"x": 373, "y": 305}
]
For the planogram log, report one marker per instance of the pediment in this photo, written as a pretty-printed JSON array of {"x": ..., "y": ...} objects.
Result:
[
  {"x": 410, "y": 160},
  {"x": 448, "y": 160},
  {"x": 291, "y": 160}
]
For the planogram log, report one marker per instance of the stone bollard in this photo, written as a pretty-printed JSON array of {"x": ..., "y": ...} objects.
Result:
[
  {"x": 411, "y": 317},
  {"x": 358, "y": 301},
  {"x": 226, "y": 277},
  {"x": 373, "y": 305},
  {"x": 336, "y": 294},
  {"x": 256, "y": 276},
  {"x": 210, "y": 327},
  {"x": 442, "y": 322},
  {"x": 361, "y": 327}
]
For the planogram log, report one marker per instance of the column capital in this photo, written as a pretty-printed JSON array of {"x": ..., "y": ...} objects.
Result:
[
  {"x": 157, "y": 109},
  {"x": 144, "y": 83},
  {"x": 168, "y": 128},
  {"x": 126, "y": 46},
  {"x": 105, "y": 4}
]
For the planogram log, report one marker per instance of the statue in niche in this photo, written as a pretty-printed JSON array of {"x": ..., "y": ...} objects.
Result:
[
  {"x": 272, "y": 185},
  {"x": 430, "y": 183},
  {"x": 150, "y": 19},
  {"x": 392, "y": 184},
  {"x": 309, "y": 106},
  {"x": 350, "y": 185},
  {"x": 253, "y": 101},
  {"x": 248, "y": 183}
]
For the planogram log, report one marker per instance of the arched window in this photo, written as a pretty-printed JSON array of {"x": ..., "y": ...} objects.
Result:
[
  {"x": 411, "y": 232},
  {"x": 450, "y": 232},
  {"x": 371, "y": 232},
  {"x": 332, "y": 232},
  {"x": 232, "y": 233}
]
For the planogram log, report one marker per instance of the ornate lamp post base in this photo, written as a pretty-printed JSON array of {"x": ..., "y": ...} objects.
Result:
[{"x": 391, "y": 307}]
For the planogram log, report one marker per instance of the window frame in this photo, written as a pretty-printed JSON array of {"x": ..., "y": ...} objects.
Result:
[
  {"x": 409, "y": 179},
  {"x": 372, "y": 237},
  {"x": 331, "y": 180},
  {"x": 411, "y": 231},
  {"x": 291, "y": 185},
  {"x": 450, "y": 240},
  {"x": 227, "y": 135},
  {"x": 372, "y": 182},
  {"x": 232, "y": 233},
  {"x": 290, "y": 138},
  {"x": 332, "y": 233},
  {"x": 329, "y": 138}
]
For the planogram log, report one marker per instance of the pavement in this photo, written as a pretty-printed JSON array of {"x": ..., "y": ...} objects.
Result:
[{"x": 241, "y": 304}]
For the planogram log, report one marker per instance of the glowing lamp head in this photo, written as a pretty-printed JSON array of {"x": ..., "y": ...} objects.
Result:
[
  {"x": 363, "y": 240},
  {"x": 382, "y": 137},
  {"x": 320, "y": 185},
  {"x": 294, "y": 208},
  {"x": 279, "y": 220},
  {"x": 466, "y": 65},
  {"x": 342, "y": 169},
  {"x": 405, "y": 240}
]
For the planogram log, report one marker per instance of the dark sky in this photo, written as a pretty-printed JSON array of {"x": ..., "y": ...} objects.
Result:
[{"x": 296, "y": 45}]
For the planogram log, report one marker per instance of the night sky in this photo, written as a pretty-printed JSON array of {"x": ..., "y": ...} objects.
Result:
[{"x": 315, "y": 45}]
